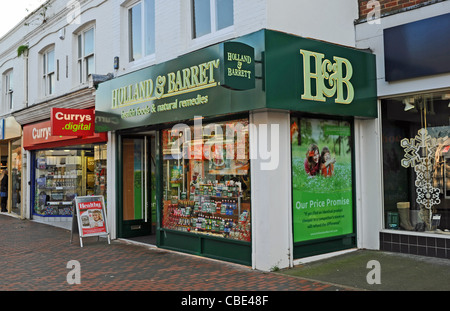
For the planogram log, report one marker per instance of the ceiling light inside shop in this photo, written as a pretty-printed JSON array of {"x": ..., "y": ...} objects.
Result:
[
  {"x": 446, "y": 97},
  {"x": 409, "y": 104}
]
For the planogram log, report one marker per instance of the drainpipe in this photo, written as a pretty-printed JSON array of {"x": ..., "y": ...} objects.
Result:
[
  {"x": 25, "y": 75},
  {"x": 24, "y": 186}
]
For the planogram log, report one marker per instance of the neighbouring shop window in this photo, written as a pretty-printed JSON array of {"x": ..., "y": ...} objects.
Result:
[
  {"x": 63, "y": 174},
  {"x": 322, "y": 188},
  {"x": 16, "y": 176},
  {"x": 416, "y": 162},
  {"x": 100, "y": 170},
  {"x": 210, "y": 16},
  {"x": 4, "y": 156},
  {"x": 141, "y": 19},
  {"x": 206, "y": 181}
]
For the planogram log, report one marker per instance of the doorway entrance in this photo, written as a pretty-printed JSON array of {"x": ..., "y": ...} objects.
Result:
[{"x": 137, "y": 203}]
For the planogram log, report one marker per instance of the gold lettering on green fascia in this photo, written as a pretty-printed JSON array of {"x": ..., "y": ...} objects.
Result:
[
  {"x": 182, "y": 81},
  {"x": 328, "y": 77},
  {"x": 192, "y": 77},
  {"x": 238, "y": 71},
  {"x": 152, "y": 108},
  {"x": 239, "y": 58},
  {"x": 234, "y": 72},
  {"x": 132, "y": 93}
]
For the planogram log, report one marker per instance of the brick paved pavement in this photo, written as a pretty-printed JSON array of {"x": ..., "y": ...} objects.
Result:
[{"x": 34, "y": 257}]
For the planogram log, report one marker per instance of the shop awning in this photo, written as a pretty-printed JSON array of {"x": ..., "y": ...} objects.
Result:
[{"x": 10, "y": 129}]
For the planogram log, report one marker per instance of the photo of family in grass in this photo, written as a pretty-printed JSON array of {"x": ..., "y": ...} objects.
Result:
[
  {"x": 316, "y": 163},
  {"x": 321, "y": 178}
]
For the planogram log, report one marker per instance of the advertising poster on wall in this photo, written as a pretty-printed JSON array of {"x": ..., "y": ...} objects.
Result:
[{"x": 321, "y": 178}]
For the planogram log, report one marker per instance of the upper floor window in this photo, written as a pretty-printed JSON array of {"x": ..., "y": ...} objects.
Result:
[
  {"x": 8, "y": 93},
  {"x": 86, "y": 54},
  {"x": 48, "y": 71},
  {"x": 210, "y": 16},
  {"x": 141, "y": 21}
]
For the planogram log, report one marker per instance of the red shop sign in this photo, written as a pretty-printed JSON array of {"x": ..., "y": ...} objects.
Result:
[
  {"x": 39, "y": 136},
  {"x": 72, "y": 122}
]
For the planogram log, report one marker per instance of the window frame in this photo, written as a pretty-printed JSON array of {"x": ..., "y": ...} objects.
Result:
[
  {"x": 403, "y": 117},
  {"x": 244, "y": 202},
  {"x": 8, "y": 83},
  {"x": 83, "y": 59},
  {"x": 144, "y": 28},
  {"x": 300, "y": 242},
  {"x": 214, "y": 32},
  {"x": 49, "y": 77}
]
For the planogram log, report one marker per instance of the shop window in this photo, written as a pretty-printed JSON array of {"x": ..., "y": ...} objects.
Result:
[
  {"x": 211, "y": 16},
  {"x": 85, "y": 54},
  {"x": 9, "y": 89},
  {"x": 16, "y": 176},
  {"x": 141, "y": 21},
  {"x": 206, "y": 180},
  {"x": 322, "y": 187},
  {"x": 48, "y": 72},
  {"x": 61, "y": 175},
  {"x": 4, "y": 175},
  {"x": 416, "y": 162}
]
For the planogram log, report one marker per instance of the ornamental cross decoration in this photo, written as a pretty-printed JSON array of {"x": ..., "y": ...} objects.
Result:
[{"x": 419, "y": 154}]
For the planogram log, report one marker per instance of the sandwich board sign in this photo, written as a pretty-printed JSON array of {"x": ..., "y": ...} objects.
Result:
[{"x": 90, "y": 214}]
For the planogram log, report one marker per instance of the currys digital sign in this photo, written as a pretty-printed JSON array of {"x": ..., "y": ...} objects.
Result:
[{"x": 72, "y": 122}]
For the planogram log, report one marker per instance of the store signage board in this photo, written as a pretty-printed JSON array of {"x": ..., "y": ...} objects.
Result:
[
  {"x": 2, "y": 128},
  {"x": 239, "y": 66},
  {"x": 417, "y": 49},
  {"x": 90, "y": 214},
  {"x": 72, "y": 122},
  {"x": 212, "y": 81},
  {"x": 39, "y": 136},
  {"x": 319, "y": 77},
  {"x": 39, "y": 133},
  {"x": 262, "y": 70}
]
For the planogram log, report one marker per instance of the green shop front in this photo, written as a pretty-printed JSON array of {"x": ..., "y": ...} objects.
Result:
[{"x": 210, "y": 148}]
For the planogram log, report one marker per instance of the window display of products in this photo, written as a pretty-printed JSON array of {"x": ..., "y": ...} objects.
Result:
[
  {"x": 206, "y": 180},
  {"x": 61, "y": 175},
  {"x": 16, "y": 177},
  {"x": 416, "y": 148}
]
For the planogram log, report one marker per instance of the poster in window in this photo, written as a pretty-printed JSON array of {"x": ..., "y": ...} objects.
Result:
[{"x": 321, "y": 178}]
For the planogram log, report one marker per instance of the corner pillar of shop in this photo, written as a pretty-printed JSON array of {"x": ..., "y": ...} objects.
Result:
[{"x": 271, "y": 190}]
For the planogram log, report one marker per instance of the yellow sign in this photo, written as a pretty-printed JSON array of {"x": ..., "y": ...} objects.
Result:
[{"x": 332, "y": 72}]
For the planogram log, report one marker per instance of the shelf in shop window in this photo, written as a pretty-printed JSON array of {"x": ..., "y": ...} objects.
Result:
[
  {"x": 57, "y": 188},
  {"x": 56, "y": 165},
  {"x": 224, "y": 197},
  {"x": 215, "y": 214},
  {"x": 59, "y": 202},
  {"x": 61, "y": 177}
]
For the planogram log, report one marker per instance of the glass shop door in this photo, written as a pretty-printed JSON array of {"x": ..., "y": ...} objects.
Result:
[{"x": 135, "y": 196}]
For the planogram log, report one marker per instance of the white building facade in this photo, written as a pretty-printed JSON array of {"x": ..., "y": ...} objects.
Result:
[{"x": 84, "y": 52}]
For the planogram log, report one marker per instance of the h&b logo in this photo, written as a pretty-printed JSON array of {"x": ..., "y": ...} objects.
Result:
[{"x": 338, "y": 75}]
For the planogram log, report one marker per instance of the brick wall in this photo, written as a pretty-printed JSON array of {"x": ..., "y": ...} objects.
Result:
[{"x": 389, "y": 7}]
